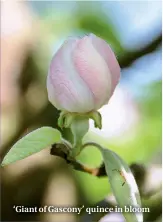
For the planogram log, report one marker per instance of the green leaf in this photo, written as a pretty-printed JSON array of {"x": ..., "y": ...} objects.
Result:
[
  {"x": 32, "y": 143},
  {"x": 123, "y": 184}
]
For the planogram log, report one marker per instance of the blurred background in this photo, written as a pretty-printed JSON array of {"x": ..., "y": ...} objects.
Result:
[{"x": 31, "y": 32}]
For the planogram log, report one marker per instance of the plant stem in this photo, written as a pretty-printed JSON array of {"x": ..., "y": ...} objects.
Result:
[{"x": 79, "y": 128}]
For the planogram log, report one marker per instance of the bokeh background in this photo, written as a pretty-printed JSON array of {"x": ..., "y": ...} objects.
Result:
[{"x": 31, "y": 32}]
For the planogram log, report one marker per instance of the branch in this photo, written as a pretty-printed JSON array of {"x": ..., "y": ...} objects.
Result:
[
  {"x": 59, "y": 149},
  {"x": 62, "y": 151},
  {"x": 131, "y": 56}
]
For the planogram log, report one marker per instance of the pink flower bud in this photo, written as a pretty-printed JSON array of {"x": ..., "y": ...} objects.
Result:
[{"x": 82, "y": 75}]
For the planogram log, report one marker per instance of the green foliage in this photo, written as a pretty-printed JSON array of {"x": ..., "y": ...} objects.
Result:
[
  {"x": 122, "y": 183},
  {"x": 32, "y": 143}
]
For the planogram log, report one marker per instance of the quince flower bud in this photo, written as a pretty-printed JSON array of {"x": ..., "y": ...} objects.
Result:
[{"x": 83, "y": 75}]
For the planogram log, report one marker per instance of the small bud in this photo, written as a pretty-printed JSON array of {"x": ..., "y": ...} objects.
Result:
[{"x": 82, "y": 75}]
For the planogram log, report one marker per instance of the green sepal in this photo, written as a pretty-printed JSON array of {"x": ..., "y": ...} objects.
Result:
[
  {"x": 96, "y": 116},
  {"x": 66, "y": 118}
]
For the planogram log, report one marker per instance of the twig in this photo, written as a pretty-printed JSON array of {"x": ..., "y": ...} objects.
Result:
[
  {"x": 62, "y": 151},
  {"x": 130, "y": 57}
]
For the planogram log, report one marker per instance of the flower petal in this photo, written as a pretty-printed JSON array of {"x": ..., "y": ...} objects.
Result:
[
  {"x": 69, "y": 90},
  {"x": 93, "y": 70},
  {"x": 106, "y": 52}
]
